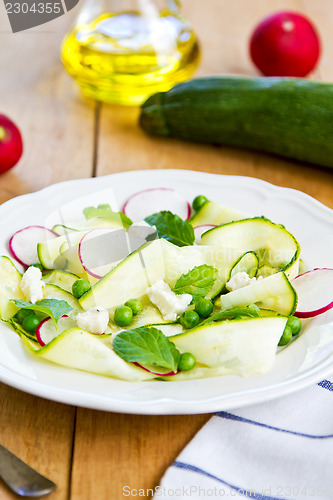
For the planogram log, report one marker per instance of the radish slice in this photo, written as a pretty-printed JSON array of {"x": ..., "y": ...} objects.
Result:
[
  {"x": 100, "y": 250},
  {"x": 150, "y": 201},
  {"x": 200, "y": 230},
  {"x": 48, "y": 331},
  {"x": 166, "y": 374},
  {"x": 315, "y": 292},
  {"x": 23, "y": 243}
]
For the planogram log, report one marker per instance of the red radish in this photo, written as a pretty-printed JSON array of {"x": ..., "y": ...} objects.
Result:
[
  {"x": 150, "y": 201},
  {"x": 48, "y": 331},
  {"x": 315, "y": 292},
  {"x": 101, "y": 249},
  {"x": 167, "y": 374},
  {"x": 285, "y": 44},
  {"x": 23, "y": 243},
  {"x": 200, "y": 230},
  {"x": 11, "y": 145}
]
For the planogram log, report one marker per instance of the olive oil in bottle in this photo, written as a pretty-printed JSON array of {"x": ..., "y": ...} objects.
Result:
[{"x": 124, "y": 57}]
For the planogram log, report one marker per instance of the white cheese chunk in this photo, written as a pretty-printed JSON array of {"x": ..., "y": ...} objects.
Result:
[
  {"x": 95, "y": 320},
  {"x": 239, "y": 280},
  {"x": 170, "y": 304},
  {"x": 32, "y": 284}
]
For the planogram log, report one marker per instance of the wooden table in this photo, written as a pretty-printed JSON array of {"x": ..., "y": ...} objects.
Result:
[{"x": 93, "y": 454}]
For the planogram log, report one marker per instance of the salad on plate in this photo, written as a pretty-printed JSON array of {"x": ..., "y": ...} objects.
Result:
[{"x": 164, "y": 290}]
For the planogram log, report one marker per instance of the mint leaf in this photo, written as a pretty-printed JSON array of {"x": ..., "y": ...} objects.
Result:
[
  {"x": 148, "y": 346},
  {"x": 105, "y": 212},
  {"x": 251, "y": 311},
  {"x": 197, "y": 282},
  {"x": 172, "y": 228},
  {"x": 51, "y": 307}
]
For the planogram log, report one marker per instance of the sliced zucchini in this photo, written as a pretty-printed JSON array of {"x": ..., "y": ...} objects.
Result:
[
  {"x": 223, "y": 259},
  {"x": 242, "y": 347},
  {"x": 274, "y": 292},
  {"x": 88, "y": 225},
  {"x": 264, "y": 313},
  {"x": 62, "y": 279},
  {"x": 274, "y": 245},
  {"x": 10, "y": 280},
  {"x": 19, "y": 329},
  {"x": 73, "y": 264},
  {"x": 265, "y": 271},
  {"x": 180, "y": 260},
  {"x": 49, "y": 251},
  {"x": 247, "y": 263},
  {"x": 62, "y": 230},
  {"x": 76, "y": 348},
  {"x": 169, "y": 329},
  {"x": 129, "y": 279},
  {"x": 55, "y": 292},
  {"x": 214, "y": 213},
  {"x": 153, "y": 261}
]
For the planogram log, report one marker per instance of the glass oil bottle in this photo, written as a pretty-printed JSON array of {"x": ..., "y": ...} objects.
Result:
[{"x": 123, "y": 51}]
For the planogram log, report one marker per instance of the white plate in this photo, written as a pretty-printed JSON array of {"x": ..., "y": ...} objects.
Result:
[{"x": 305, "y": 361}]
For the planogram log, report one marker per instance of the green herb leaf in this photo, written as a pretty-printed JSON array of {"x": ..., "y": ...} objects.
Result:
[
  {"x": 50, "y": 307},
  {"x": 251, "y": 311},
  {"x": 147, "y": 346},
  {"x": 105, "y": 212},
  {"x": 172, "y": 228},
  {"x": 197, "y": 282}
]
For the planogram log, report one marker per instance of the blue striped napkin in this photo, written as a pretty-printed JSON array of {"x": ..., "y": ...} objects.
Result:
[{"x": 281, "y": 449}]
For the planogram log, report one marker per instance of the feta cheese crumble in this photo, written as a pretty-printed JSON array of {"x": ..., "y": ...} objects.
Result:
[
  {"x": 32, "y": 284},
  {"x": 170, "y": 304},
  {"x": 95, "y": 320},
  {"x": 239, "y": 280}
]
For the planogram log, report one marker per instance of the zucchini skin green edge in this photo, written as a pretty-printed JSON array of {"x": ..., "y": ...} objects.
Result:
[
  {"x": 298, "y": 248},
  {"x": 287, "y": 117}
]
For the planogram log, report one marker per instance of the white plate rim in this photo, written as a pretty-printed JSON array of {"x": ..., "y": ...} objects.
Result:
[{"x": 167, "y": 405}]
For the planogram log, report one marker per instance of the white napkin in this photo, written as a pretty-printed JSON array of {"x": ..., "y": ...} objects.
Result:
[{"x": 281, "y": 449}]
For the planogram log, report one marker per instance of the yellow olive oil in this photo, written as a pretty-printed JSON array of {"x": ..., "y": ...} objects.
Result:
[{"x": 123, "y": 58}]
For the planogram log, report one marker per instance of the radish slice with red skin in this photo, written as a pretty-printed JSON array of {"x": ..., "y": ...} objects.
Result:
[
  {"x": 48, "y": 331},
  {"x": 315, "y": 292},
  {"x": 23, "y": 243},
  {"x": 200, "y": 230},
  {"x": 153, "y": 200},
  {"x": 166, "y": 374},
  {"x": 101, "y": 249}
]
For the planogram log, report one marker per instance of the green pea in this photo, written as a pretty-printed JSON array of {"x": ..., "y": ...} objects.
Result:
[
  {"x": 203, "y": 307},
  {"x": 135, "y": 305},
  {"x": 189, "y": 319},
  {"x": 199, "y": 202},
  {"x": 187, "y": 361},
  {"x": 22, "y": 313},
  {"x": 38, "y": 265},
  {"x": 80, "y": 287},
  {"x": 286, "y": 336},
  {"x": 294, "y": 324},
  {"x": 123, "y": 316},
  {"x": 30, "y": 323}
]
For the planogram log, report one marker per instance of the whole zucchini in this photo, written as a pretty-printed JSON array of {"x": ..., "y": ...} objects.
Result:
[{"x": 287, "y": 117}]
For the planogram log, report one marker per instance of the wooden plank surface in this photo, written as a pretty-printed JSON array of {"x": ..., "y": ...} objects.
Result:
[
  {"x": 57, "y": 129},
  {"x": 92, "y": 454},
  {"x": 57, "y": 126}
]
